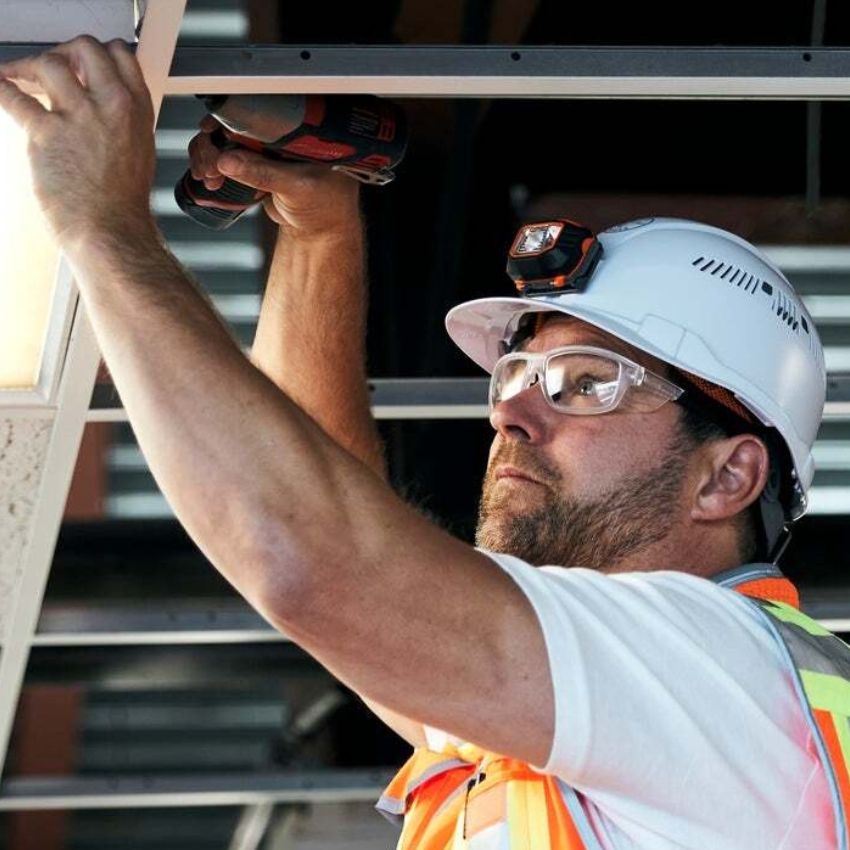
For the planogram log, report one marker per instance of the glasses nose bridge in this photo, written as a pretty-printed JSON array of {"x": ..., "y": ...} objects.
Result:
[{"x": 535, "y": 371}]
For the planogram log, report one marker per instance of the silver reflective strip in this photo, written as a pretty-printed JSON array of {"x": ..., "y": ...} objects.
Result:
[
  {"x": 391, "y": 808},
  {"x": 579, "y": 817},
  {"x": 745, "y": 573},
  {"x": 440, "y": 767},
  {"x": 773, "y": 626}
]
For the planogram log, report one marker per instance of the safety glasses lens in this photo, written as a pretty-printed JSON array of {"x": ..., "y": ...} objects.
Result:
[
  {"x": 582, "y": 382},
  {"x": 508, "y": 379}
]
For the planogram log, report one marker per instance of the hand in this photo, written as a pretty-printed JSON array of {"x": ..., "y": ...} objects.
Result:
[
  {"x": 92, "y": 150},
  {"x": 307, "y": 200}
]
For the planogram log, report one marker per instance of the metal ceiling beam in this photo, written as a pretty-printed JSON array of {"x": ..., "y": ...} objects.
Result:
[
  {"x": 441, "y": 398},
  {"x": 163, "y": 625},
  {"x": 93, "y": 626},
  {"x": 134, "y": 792},
  {"x": 681, "y": 73},
  {"x": 764, "y": 73}
]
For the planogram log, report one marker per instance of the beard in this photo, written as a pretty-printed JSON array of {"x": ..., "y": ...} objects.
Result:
[{"x": 565, "y": 530}]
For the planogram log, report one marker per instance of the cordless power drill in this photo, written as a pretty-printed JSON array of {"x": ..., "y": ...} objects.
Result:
[{"x": 360, "y": 135}]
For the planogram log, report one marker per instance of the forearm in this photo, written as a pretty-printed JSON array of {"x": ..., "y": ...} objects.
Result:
[
  {"x": 311, "y": 335},
  {"x": 245, "y": 470}
]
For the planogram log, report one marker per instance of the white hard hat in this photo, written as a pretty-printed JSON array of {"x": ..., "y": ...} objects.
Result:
[{"x": 699, "y": 298}]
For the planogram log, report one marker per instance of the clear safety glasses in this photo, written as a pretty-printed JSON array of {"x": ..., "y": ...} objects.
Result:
[{"x": 583, "y": 380}]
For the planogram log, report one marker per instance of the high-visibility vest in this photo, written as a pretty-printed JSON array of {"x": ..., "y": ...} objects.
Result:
[{"x": 465, "y": 798}]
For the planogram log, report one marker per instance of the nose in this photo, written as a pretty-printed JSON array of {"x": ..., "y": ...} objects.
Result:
[{"x": 522, "y": 417}]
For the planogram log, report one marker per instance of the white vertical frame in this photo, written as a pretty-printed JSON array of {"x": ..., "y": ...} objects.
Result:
[
  {"x": 74, "y": 387},
  {"x": 43, "y": 394}
]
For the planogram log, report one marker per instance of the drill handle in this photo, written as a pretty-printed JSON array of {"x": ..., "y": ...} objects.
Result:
[{"x": 216, "y": 209}]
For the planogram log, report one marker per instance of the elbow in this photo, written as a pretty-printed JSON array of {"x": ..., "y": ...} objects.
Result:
[{"x": 287, "y": 583}]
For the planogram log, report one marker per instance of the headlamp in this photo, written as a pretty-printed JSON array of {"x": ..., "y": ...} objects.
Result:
[{"x": 553, "y": 256}]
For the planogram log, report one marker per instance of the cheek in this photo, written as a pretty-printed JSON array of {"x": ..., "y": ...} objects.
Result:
[{"x": 597, "y": 453}]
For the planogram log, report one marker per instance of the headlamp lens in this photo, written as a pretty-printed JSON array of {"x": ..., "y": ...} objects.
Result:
[{"x": 537, "y": 238}]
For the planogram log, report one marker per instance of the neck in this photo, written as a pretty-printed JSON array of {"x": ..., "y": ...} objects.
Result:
[{"x": 694, "y": 550}]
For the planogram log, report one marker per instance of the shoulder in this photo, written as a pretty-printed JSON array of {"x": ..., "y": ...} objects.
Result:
[{"x": 649, "y": 600}]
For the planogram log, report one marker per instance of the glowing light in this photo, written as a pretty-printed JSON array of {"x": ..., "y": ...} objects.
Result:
[{"x": 28, "y": 262}]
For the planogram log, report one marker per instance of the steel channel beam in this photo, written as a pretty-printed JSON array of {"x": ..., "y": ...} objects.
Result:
[
  {"x": 682, "y": 73},
  {"x": 237, "y": 789},
  {"x": 155, "y": 52},
  {"x": 442, "y": 398},
  {"x": 515, "y": 71},
  {"x": 168, "y": 625},
  {"x": 176, "y": 625}
]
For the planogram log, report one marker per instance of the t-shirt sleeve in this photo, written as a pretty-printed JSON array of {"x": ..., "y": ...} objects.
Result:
[{"x": 667, "y": 688}]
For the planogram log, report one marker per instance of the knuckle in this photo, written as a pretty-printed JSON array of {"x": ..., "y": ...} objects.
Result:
[
  {"x": 85, "y": 40},
  {"x": 260, "y": 172},
  {"x": 52, "y": 59},
  {"x": 120, "y": 98}
]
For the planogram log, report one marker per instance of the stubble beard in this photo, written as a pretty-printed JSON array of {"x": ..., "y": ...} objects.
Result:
[{"x": 566, "y": 530}]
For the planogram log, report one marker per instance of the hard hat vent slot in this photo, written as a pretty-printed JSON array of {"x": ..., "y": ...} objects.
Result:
[
  {"x": 732, "y": 274},
  {"x": 784, "y": 307}
]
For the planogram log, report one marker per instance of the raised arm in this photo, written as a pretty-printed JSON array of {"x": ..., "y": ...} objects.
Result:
[
  {"x": 400, "y": 611},
  {"x": 311, "y": 335}
]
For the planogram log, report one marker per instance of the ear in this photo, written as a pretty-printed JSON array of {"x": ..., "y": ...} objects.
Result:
[{"x": 731, "y": 475}]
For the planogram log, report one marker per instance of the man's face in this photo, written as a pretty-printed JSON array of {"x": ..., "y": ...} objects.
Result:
[{"x": 586, "y": 491}]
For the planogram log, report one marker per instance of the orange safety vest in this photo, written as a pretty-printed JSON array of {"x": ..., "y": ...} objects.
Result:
[{"x": 465, "y": 798}]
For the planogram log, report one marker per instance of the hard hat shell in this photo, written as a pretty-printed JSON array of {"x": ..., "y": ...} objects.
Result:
[{"x": 699, "y": 298}]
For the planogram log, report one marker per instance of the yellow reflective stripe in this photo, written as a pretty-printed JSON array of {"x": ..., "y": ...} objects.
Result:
[
  {"x": 528, "y": 817},
  {"x": 538, "y": 815},
  {"x": 518, "y": 817},
  {"x": 788, "y": 614},
  {"x": 828, "y": 693}
]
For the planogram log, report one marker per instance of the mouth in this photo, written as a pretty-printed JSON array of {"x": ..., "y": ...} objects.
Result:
[{"x": 513, "y": 473}]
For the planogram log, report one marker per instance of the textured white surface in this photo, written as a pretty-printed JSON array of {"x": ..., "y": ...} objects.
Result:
[
  {"x": 59, "y": 20},
  {"x": 23, "y": 447}
]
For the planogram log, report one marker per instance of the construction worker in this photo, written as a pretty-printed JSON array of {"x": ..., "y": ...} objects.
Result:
[{"x": 656, "y": 393}]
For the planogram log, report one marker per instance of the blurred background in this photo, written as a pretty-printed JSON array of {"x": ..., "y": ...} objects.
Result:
[{"x": 191, "y": 687}]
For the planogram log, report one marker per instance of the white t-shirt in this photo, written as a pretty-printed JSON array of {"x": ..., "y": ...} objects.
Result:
[{"x": 676, "y": 717}]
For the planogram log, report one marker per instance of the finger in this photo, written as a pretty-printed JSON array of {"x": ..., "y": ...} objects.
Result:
[
  {"x": 92, "y": 61},
  {"x": 203, "y": 156},
  {"x": 257, "y": 171},
  {"x": 128, "y": 66},
  {"x": 195, "y": 160},
  {"x": 52, "y": 74},
  {"x": 209, "y": 124},
  {"x": 209, "y": 155},
  {"x": 24, "y": 110}
]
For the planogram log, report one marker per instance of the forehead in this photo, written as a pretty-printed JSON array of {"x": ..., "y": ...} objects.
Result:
[{"x": 558, "y": 330}]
